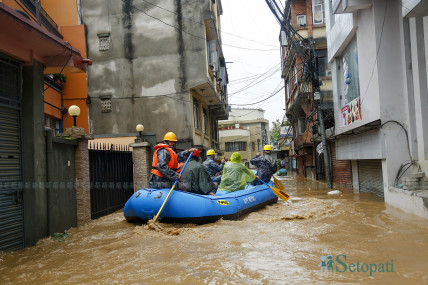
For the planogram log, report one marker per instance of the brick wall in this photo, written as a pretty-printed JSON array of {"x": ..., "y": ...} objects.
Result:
[
  {"x": 342, "y": 171},
  {"x": 83, "y": 190},
  {"x": 302, "y": 7}
]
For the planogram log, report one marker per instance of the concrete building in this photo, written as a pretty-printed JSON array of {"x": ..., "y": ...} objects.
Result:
[
  {"x": 377, "y": 53},
  {"x": 159, "y": 64},
  {"x": 246, "y": 131}
]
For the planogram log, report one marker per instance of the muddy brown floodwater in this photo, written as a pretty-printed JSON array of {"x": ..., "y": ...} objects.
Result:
[{"x": 280, "y": 244}]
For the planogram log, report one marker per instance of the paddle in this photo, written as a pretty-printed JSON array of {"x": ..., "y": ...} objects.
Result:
[
  {"x": 278, "y": 192},
  {"x": 170, "y": 191}
]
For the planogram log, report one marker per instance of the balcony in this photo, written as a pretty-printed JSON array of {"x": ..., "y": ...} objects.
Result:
[
  {"x": 46, "y": 20},
  {"x": 350, "y": 6}
]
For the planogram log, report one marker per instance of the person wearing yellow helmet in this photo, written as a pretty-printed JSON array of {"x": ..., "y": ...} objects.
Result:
[
  {"x": 166, "y": 163},
  {"x": 213, "y": 169},
  {"x": 266, "y": 165}
]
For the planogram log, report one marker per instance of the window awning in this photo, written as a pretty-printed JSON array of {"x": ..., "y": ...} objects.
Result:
[{"x": 25, "y": 40}]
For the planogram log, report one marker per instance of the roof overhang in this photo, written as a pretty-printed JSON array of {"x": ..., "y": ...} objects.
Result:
[{"x": 25, "y": 40}]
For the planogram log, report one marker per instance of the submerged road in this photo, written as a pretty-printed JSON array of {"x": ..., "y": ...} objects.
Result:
[{"x": 313, "y": 239}]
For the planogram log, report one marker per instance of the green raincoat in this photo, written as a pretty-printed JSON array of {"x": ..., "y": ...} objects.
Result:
[{"x": 235, "y": 175}]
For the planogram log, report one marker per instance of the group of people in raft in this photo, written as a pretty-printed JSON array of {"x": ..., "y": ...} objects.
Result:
[{"x": 208, "y": 177}]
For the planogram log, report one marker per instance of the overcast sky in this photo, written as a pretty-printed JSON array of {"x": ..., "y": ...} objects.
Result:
[{"x": 254, "y": 75}]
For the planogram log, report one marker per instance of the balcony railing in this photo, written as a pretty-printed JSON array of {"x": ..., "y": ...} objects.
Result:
[{"x": 47, "y": 21}]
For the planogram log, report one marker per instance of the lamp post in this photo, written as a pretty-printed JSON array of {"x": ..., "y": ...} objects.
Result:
[
  {"x": 140, "y": 129},
  {"x": 74, "y": 111}
]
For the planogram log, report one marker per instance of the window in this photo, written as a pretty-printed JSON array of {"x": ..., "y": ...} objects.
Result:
[
  {"x": 53, "y": 124},
  {"x": 236, "y": 146},
  {"x": 301, "y": 125},
  {"x": 287, "y": 91},
  {"x": 104, "y": 40},
  {"x": 196, "y": 113},
  {"x": 205, "y": 121},
  {"x": 322, "y": 66},
  {"x": 301, "y": 20},
  {"x": 318, "y": 12},
  {"x": 253, "y": 146},
  {"x": 105, "y": 105},
  {"x": 349, "y": 77}
]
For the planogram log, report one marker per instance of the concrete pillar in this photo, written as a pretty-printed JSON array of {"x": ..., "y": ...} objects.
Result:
[
  {"x": 83, "y": 189},
  {"x": 141, "y": 159},
  {"x": 355, "y": 179},
  {"x": 33, "y": 154}
]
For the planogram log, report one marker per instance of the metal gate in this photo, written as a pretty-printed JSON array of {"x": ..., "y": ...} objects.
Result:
[
  {"x": 370, "y": 176},
  {"x": 112, "y": 178},
  {"x": 11, "y": 204}
]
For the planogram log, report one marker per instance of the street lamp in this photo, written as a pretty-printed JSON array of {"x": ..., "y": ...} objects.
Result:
[
  {"x": 74, "y": 111},
  {"x": 140, "y": 129}
]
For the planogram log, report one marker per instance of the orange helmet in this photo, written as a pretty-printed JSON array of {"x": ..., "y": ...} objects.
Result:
[{"x": 170, "y": 136}]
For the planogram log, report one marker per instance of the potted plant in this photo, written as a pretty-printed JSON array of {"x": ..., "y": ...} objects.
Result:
[{"x": 59, "y": 77}]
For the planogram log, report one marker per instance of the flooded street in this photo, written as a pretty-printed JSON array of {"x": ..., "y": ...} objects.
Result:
[{"x": 280, "y": 244}]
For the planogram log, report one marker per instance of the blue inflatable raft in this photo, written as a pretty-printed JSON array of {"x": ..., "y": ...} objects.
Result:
[{"x": 185, "y": 207}]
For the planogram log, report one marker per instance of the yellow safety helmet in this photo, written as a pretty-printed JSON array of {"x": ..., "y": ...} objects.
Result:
[
  {"x": 267, "y": 147},
  {"x": 170, "y": 136},
  {"x": 210, "y": 152}
]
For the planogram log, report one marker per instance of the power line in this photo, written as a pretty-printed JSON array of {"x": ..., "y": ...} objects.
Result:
[
  {"x": 252, "y": 83},
  {"x": 260, "y": 100}
]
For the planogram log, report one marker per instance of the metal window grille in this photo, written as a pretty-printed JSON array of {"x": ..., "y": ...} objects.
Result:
[{"x": 236, "y": 146}]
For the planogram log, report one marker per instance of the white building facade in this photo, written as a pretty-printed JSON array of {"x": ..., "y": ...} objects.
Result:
[{"x": 377, "y": 52}]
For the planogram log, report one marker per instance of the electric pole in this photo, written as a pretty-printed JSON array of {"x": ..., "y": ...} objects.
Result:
[{"x": 318, "y": 99}]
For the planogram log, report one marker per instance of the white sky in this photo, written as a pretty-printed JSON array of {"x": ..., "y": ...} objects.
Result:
[{"x": 253, "y": 20}]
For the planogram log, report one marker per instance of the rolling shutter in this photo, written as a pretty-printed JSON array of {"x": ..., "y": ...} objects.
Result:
[
  {"x": 11, "y": 204},
  {"x": 370, "y": 176}
]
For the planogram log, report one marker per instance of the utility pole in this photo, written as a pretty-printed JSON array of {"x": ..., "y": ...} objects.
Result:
[{"x": 318, "y": 100}]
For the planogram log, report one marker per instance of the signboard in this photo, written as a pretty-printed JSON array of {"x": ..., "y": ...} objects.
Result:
[
  {"x": 285, "y": 132},
  {"x": 351, "y": 112}
]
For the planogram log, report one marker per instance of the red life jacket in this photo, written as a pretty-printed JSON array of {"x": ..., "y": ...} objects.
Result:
[{"x": 172, "y": 164}]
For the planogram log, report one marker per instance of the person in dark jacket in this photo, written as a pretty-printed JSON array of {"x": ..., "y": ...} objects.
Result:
[
  {"x": 266, "y": 165},
  {"x": 165, "y": 164},
  {"x": 196, "y": 178},
  {"x": 213, "y": 169}
]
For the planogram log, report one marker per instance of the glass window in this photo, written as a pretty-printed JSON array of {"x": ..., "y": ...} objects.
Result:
[
  {"x": 350, "y": 81},
  {"x": 301, "y": 20},
  {"x": 196, "y": 113},
  {"x": 318, "y": 12},
  {"x": 322, "y": 66},
  {"x": 236, "y": 146}
]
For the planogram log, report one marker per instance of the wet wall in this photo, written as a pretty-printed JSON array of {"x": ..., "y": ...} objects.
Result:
[{"x": 155, "y": 57}]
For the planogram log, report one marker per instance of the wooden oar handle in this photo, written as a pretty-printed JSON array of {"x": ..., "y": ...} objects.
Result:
[{"x": 170, "y": 191}]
